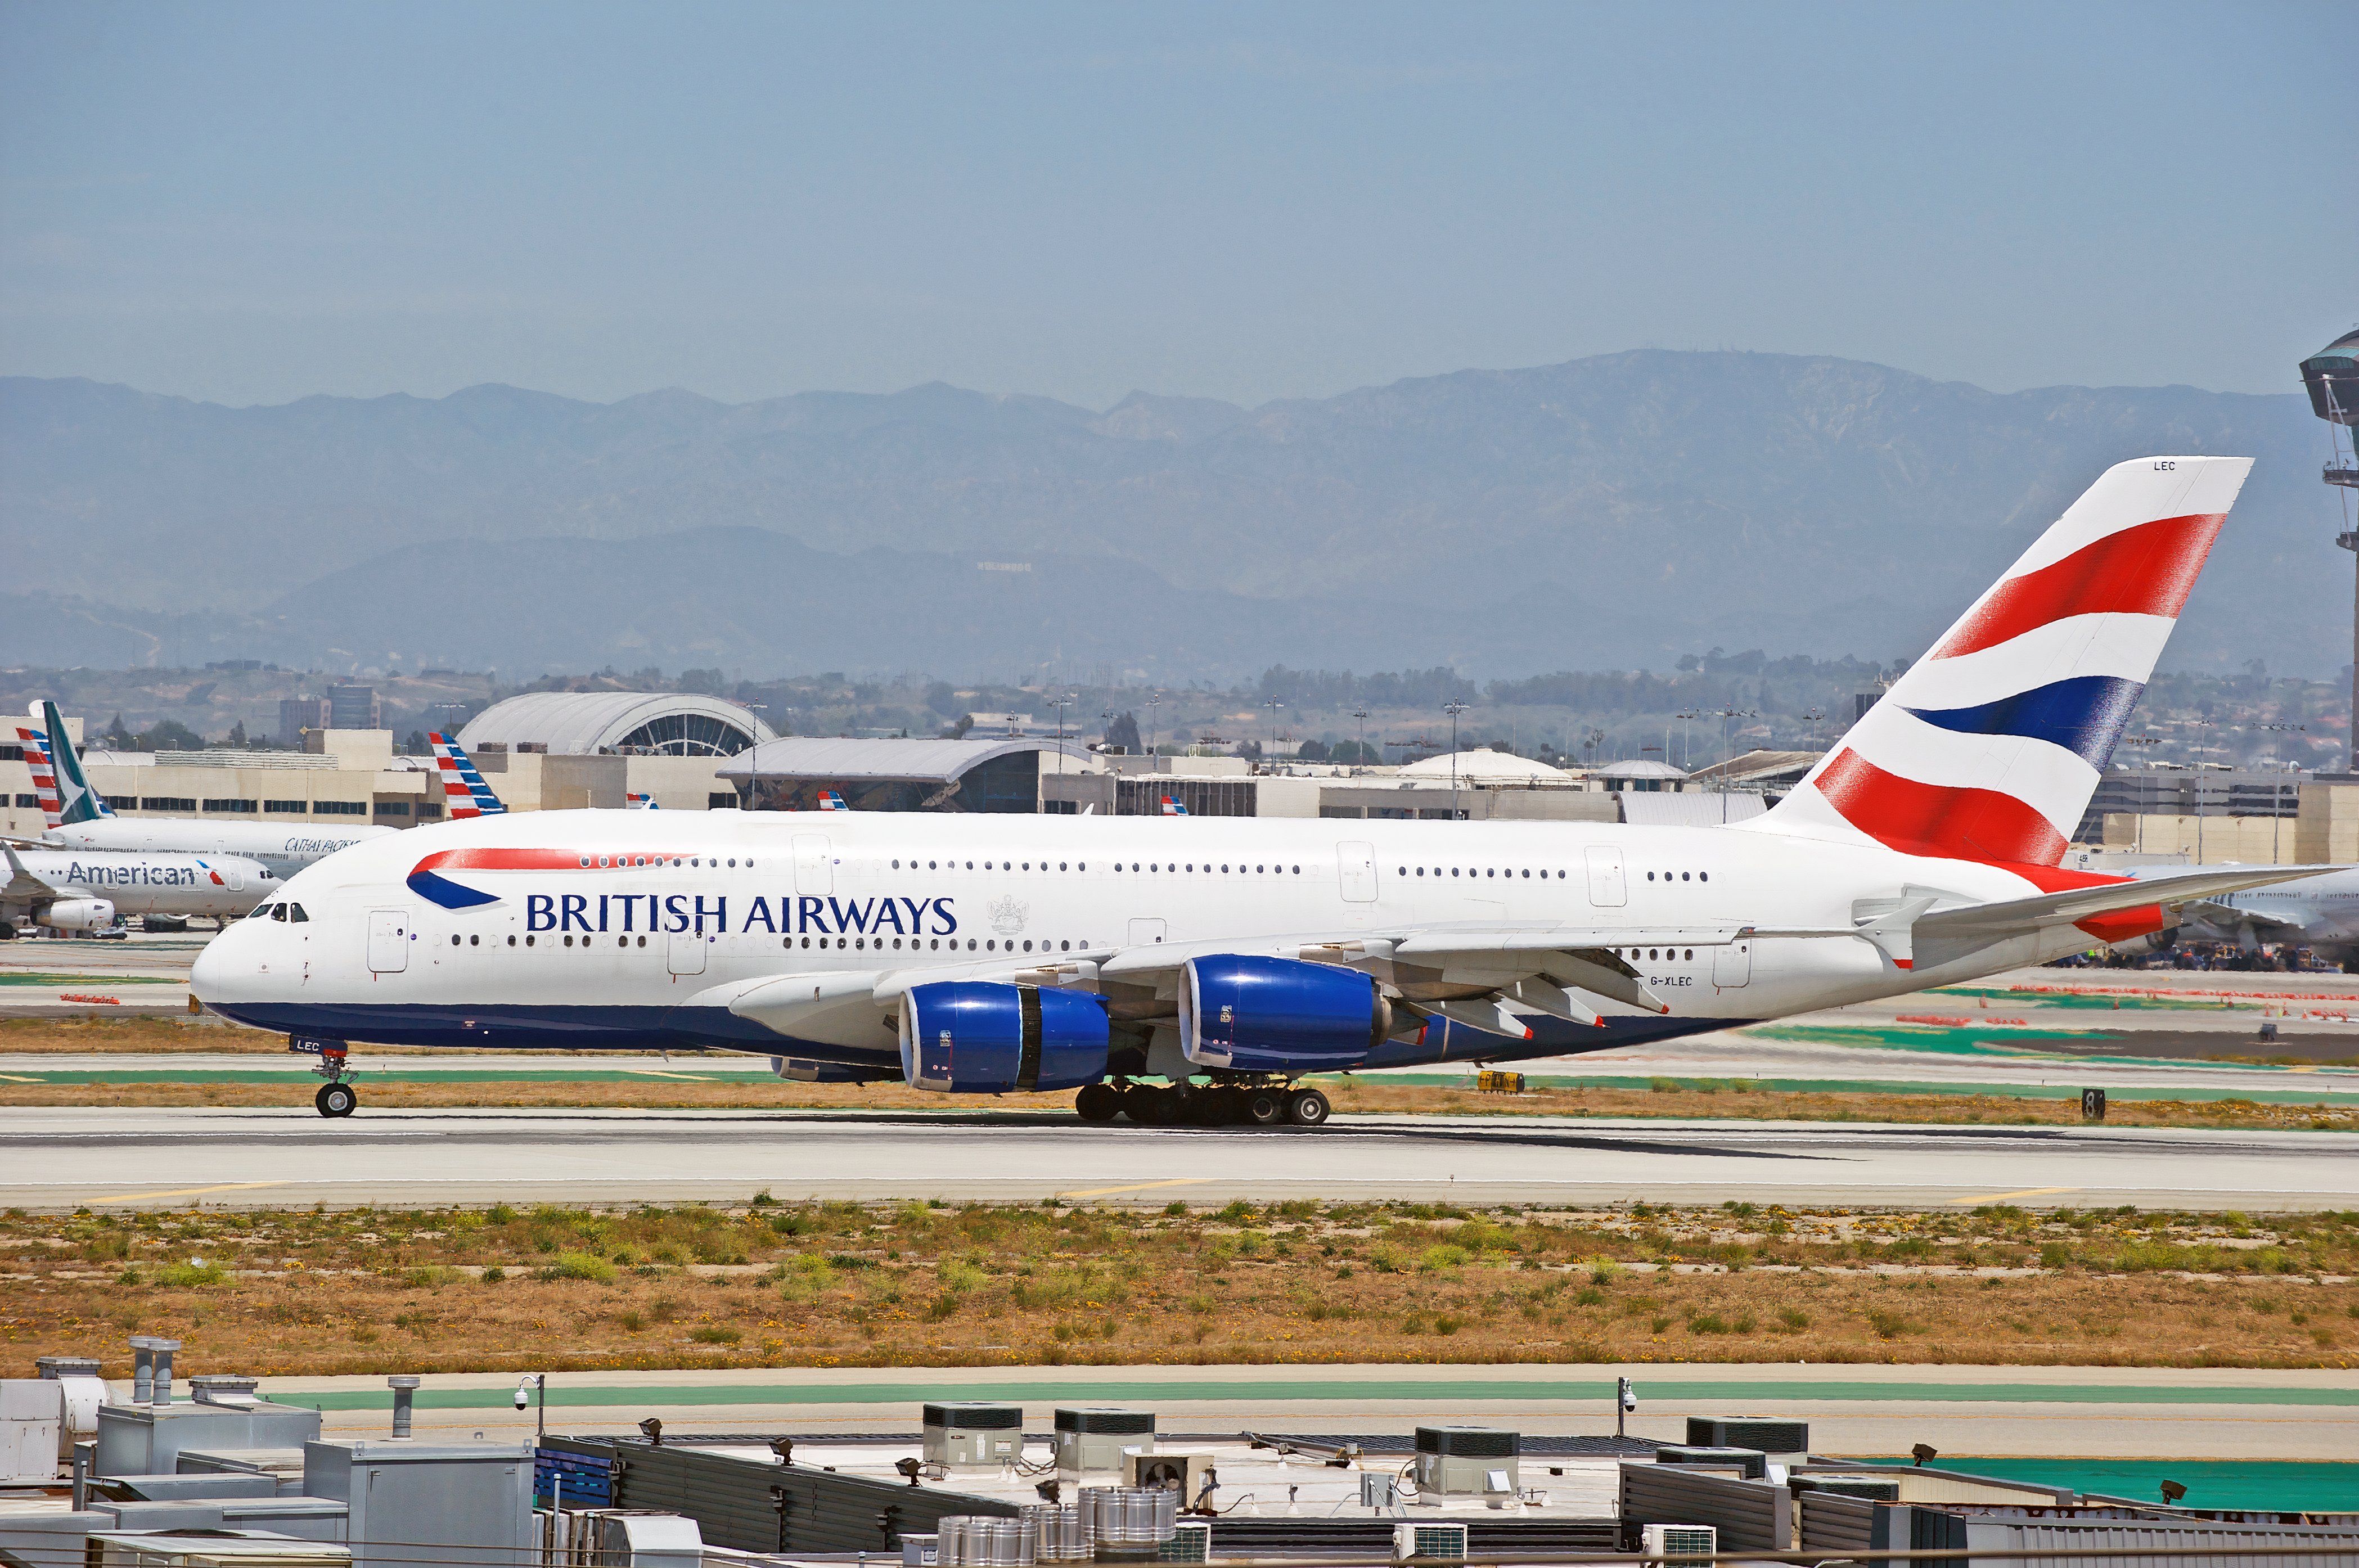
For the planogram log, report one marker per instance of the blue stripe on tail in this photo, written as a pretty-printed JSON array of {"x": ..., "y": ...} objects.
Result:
[{"x": 2085, "y": 715}]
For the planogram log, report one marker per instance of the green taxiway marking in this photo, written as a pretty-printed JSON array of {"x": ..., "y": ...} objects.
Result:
[
  {"x": 24, "y": 977},
  {"x": 2316, "y": 1485},
  {"x": 561, "y": 1393}
]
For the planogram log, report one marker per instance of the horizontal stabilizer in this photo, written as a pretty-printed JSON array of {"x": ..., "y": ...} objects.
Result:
[{"x": 2013, "y": 917}]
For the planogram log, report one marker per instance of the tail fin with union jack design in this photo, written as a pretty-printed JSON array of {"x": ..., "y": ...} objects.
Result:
[{"x": 1989, "y": 748}]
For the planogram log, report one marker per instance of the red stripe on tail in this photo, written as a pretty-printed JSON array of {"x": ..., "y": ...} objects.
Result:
[
  {"x": 1937, "y": 819},
  {"x": 2146, "y": 571}
]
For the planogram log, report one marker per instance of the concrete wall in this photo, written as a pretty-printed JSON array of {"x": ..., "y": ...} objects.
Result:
[{"x": 2215, "y": 841}]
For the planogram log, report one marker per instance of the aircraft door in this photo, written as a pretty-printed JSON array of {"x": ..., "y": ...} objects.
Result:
[
  {"x": 1733, "y": 965},
  {"x": 234, "y": 876},
  {"x": 814, "y": 865},
  {"x": 388, "y": 941},
  {"x": 1608, "y": 886},
  {"x": 685, "y": 950},
  {"x": 1357, "y": 863}
]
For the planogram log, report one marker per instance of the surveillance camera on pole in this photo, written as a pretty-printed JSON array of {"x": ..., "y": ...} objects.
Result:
[{"x": 1625, "y": 1401}]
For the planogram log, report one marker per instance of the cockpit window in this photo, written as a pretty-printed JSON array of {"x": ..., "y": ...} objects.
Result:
[
  {"x": 259, "y": 912},
  {"x": 295, "y": 913},
  {"x": 277, "y": 911}
]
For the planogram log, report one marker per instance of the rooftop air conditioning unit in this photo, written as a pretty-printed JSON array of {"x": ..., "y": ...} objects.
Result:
[
  {"x": 1092, "y": 1438},
  {"x": 1667, "y": 1545},
  {"x": 972, "y": 1433},
  {"x": 1437, "y": 1542},
  {"x": 1468, "y": 1461}
]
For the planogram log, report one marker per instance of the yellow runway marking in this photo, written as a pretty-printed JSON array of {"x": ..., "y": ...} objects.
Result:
[
  {"x": 1139, "y": 1187},
  {"x": 657, "y": 1073},
  {"x": 2010, "y": 1197},
  {"x": 184, "y": 1193},
  {"x": 11, "y": 1078}
]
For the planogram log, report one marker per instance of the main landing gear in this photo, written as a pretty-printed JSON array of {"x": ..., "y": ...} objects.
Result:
[
  {"x": 336, "y": 1097},
  {"x": 1203, "y": 1105}
]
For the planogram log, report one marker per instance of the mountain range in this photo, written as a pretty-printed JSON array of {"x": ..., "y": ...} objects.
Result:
[{"x": 1610, "y": 512}]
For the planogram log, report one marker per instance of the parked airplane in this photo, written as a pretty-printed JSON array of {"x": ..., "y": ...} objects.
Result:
[
  {"x": 1229, "y": 957},
  {"x": 80, "y": 818},
  {"x": 72, "y": 891},
  {"x": 2321, "y": 913}
]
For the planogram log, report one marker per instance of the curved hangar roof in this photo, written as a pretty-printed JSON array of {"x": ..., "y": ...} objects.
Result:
[
  {"x": 885, "y": 761},
  {"x": 593, "y": 724}
]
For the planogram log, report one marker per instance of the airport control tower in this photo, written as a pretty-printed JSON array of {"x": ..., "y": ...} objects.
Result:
[{"x": 2331, "y": 375}]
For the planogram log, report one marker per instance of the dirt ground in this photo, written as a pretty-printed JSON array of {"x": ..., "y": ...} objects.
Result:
[{"x": 844, "y": 1284}]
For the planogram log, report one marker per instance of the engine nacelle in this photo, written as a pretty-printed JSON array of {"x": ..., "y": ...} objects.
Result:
[
  {"x": 78, "y": 915},
  {"x": 978, "y": 1036},
  {"x": 1278, "y": 1015}
]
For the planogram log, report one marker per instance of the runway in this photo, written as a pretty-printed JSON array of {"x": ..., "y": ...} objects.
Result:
[{"x": 54, "y": 1157}]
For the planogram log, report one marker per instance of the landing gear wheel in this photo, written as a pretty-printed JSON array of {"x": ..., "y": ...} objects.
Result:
[
  {"x": 1144, "y": 1105},
  {"x": 335, "y": 1099},
  {"x": 1265, "y": 1107},
  {"x": 1098, "y": 1103},
  {"x": 1307, "y": 1108}
]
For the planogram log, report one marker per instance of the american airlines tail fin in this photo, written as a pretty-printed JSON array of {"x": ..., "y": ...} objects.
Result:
[
  {"x": 1990, "y": 746},
  {"x": 45, "y": 774},
  {"x": 77, "y": 802},
  {"x": 464, "y": 793}
]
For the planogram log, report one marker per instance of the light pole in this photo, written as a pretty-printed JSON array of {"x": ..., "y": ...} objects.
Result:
[
  {"x": 1453, "y": 710},
  {"x": 1060, "y": 704},
  {"x": 1814, "y": 715},
  {"x": 1687, "y": 753},
  {"x": 1361, "y": 760},
  {"x": 1154, "y": 729},
  {"x": 1729, "y": 715},
  {"x": 1273, "y": 705}
]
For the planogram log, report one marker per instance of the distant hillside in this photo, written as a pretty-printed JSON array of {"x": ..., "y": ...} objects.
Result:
[{"x": 1614, "y": 511}]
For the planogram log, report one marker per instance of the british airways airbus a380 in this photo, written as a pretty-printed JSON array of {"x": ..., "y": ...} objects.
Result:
[{"x": 1228, "y": 958}]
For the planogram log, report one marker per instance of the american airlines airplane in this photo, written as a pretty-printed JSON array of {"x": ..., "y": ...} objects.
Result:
[
  {"x": 80, "y": 818},
  {"x": 1198, "y": 968},
  {"x": 70, "y": 892}
]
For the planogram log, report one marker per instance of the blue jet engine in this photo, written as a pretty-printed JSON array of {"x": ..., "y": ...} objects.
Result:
[
  {"x": 1278, "y": 1015},
  {"x": 974, "y": 1036}
]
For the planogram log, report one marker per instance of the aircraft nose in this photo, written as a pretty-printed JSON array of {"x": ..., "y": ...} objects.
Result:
[{"x": 210, "y": 975}]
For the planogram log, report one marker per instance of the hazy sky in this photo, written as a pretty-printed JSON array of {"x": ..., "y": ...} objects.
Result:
[{"x": 252, "y": 202}]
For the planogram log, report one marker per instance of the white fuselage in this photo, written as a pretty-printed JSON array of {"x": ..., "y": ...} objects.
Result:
[
  {"x": 2321, "y": 912},
  {"x": 285, "y": 849},
  {"x": 223, "y": 887},
  {"x": 556, "y": 949}
]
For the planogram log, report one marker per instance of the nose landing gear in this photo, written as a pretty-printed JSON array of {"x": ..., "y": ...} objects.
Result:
[{"x": 336, "y": 1096}]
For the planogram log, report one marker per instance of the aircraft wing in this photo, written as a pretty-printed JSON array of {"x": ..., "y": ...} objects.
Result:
[
  {"x": 22, "y": 890},
  {"x": 2016, "y": 917}
]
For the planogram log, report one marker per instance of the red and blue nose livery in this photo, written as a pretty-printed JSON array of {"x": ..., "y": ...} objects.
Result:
[{"x": 428, "y": 881}]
